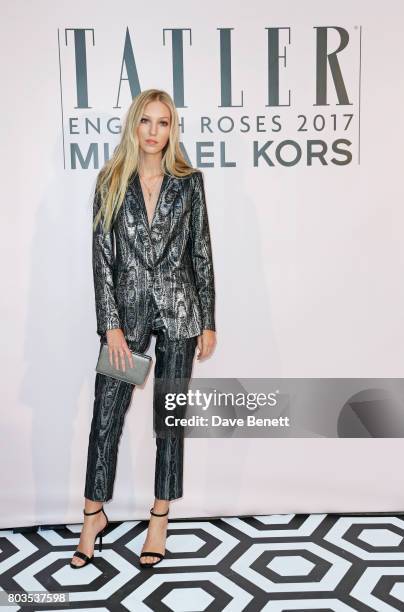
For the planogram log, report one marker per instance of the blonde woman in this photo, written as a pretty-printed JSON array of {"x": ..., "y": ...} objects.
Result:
[{"x": 153, "y": 273}]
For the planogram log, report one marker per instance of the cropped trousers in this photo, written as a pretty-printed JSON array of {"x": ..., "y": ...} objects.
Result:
[{"x": 112, "y": 397}]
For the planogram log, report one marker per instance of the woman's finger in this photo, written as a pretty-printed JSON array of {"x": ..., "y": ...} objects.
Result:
[
  {"x": 202, "y": 349},
  {"x": 110, "y": 355},
  {"x": 122, "y": 356},
  {"x": 116, "y": 358},
  {"x": 129, "y": 356}
]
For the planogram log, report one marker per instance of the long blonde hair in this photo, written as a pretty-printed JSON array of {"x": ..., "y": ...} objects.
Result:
[{"x": 113, "y": 178}]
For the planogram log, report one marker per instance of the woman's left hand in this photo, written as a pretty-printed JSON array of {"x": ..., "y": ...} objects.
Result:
[{"x": 206, "y": 343}]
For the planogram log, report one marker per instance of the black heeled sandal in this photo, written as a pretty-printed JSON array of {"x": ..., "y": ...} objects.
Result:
[
  {"x": 99, "y": 535},
  {"x": 152, "y": 554}
]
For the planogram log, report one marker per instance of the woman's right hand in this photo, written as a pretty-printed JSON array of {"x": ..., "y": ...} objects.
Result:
[{"x": 118, "y": 348}]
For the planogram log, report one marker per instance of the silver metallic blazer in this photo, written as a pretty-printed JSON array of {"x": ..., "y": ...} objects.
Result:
[{"x": 171, "y": 260}]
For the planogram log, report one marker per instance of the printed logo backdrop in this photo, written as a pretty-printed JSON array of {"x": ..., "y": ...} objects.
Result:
[{"x": 301, "y": 104}]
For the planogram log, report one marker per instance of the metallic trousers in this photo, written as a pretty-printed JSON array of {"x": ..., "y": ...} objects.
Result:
[{"x": 174, "y": 359}]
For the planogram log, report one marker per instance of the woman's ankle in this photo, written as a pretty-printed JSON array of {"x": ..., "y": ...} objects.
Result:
[
  {"x": 161, "y": 505},
  {"x": 91, "y": 505}
]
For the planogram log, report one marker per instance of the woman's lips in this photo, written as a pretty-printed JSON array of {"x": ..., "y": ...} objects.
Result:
[{"x": 151, "y": 142}]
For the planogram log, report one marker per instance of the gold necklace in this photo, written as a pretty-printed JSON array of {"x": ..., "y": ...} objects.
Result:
[{"x": 149, "y": 191}]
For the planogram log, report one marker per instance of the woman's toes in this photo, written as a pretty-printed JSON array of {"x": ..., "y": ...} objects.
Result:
[
  {"x": 77, "y": 561},
  {"x": 149, "y": 559}
]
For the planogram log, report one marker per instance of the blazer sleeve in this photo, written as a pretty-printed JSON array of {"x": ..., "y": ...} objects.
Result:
[
  {"x": 102, "y": 259},
  {"x": 201, "y": 253}
]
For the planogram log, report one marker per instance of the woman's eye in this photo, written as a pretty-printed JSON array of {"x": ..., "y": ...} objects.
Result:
[{"x": 165, "y": 123}]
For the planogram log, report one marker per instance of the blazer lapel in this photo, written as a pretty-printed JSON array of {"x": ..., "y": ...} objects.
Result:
[{"x": 152, "y": 234}]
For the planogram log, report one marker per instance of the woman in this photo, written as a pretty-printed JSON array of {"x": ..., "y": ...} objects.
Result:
[{"x": 153, "y": 273}]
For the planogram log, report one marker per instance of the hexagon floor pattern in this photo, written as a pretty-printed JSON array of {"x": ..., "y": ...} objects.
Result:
[{"x": 276, "y": 563}]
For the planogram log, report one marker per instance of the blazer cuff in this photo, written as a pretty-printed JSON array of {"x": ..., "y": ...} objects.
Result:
[
  {"x": 112, "y": 322},
  {"x": 209, "y": 323}
]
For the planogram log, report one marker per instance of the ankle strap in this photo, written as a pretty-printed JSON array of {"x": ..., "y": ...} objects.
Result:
[
  {"x": 95, "y": 511},
  {"x": 156, "y": 514}
]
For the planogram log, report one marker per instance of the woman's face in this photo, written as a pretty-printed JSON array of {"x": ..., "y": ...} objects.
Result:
[{"x": 154, "y": 127}]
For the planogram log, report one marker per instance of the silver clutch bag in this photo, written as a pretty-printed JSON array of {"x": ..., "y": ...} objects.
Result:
[{"x": 135, "y": 375}]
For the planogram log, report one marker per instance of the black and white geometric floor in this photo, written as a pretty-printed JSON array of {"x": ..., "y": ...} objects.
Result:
[{"x": 293, "y": 562}]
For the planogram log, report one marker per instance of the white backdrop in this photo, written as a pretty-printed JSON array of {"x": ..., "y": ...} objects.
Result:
[{"x": 308, "y": 257}]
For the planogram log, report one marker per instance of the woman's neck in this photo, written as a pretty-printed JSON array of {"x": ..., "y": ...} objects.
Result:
[{"x": 150, "y": 165}]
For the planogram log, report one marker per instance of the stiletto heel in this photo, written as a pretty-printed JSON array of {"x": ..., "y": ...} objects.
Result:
[
  {"x": 152, "y": 554},
  {"x": 99, "y": 535}
]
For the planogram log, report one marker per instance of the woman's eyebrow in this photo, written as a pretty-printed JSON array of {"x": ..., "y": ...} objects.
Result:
[{"x": 150, "y": 117}]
